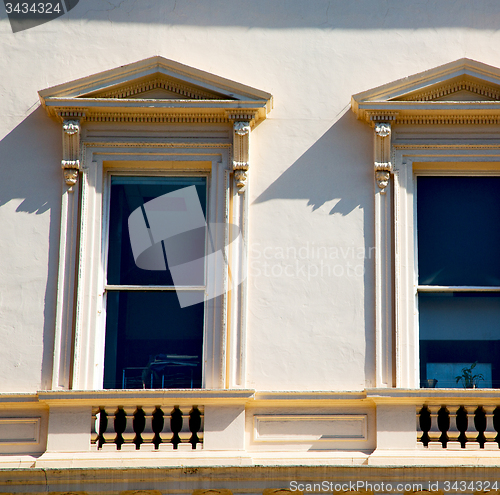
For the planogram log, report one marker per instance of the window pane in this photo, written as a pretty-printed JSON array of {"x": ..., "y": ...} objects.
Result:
[
  {"x": 456, "y": 330},
  {"x": 458, "y": 230},
  {"x": 156, "y": 222},
  {"x": 151, "y": 342}
]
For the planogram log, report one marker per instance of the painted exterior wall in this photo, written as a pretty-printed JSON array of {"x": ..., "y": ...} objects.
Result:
[
  {"x": 311, "y": 278},
  {"x": 311, "y": 183}
]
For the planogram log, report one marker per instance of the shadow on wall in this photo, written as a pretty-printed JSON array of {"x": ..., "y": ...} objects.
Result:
[
  {"x": 30, "y": 157},
  {"x": 348, "y": 144},
  {"x": 347, "y": 176},
  {"x": 283, "y": 14}
]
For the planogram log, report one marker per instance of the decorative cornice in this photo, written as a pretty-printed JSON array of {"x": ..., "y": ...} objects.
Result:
[
  {"x": 120, "y": 94},
  {"x": 183, "y": 90},
  {"x": 71, "y": 113},
  {"x": 429, "y": 119},
  {"x": 381, "y": 116},
  {"x": 438, "y": 146},
  {"x": 421, "y": 98},
  {"x": 242, "y": 116},
  {"x": 134, "y": 144},
  {"x": 156, "y": 111},
  {"x": 71, "y": 152},
  {"x": 158, "y": 118},
  {"x": 449, "y": 89}
]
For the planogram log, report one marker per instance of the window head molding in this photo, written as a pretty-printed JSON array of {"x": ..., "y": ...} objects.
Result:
[
  {"x": 173, "y": 92},
  {"x": 461, "y": 92},
  {"x": 155, "y": 91}
]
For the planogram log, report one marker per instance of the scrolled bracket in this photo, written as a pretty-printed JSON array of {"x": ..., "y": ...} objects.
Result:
[
  {"x": 241, "y": 159},
  {"x": 382, "y": 154},
  {"x": 71, "y": 152}
]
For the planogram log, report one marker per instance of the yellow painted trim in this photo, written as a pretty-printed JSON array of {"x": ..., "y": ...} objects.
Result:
[
  {"x": 456, "y": 166},
  {"x": 180, "y": 165}
]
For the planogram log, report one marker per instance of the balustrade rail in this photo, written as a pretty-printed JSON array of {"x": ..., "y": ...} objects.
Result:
[
  {"x": 158, "y": 428},
  {"x": 465, "y": 427}
]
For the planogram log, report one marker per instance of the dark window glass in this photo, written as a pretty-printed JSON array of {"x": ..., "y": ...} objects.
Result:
[
  {"x": 458, "y": 329},
  {"x": 458, "y": 221},
  {"x": 458, "y": 226},
  {"x": 157, "y": 236},
  {"x": 151, "y": 342},
  {"x": 140, "y": 195}
]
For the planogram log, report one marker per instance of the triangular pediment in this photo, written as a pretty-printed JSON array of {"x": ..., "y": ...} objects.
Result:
[
  {"x": 168, "y": 86},
  {"x": 464, "y": 87},
  {"x": 157, "y": 86}
]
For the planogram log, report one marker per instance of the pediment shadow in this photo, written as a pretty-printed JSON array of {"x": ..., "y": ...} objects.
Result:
[
  {"x": 346, "y": 177},
  {"x": 327, "y": 15}
]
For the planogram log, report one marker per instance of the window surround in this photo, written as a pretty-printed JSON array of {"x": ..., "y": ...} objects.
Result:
[
  {"x": 444, "y": 121},
  {"x": 155, "y": 116}
]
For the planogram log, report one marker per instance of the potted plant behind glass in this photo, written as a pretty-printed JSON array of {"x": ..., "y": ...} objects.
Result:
[{"x": 469, "y": 380}]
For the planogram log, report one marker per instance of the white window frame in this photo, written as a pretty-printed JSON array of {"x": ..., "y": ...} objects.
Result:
[
  {"x": 209, "y": 313},
  {"x": 91, "y": 311},
  {"x": 410, "y": 160}
]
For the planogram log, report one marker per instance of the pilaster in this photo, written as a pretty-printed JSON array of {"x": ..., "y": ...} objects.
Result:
[
  {"x": 383, "y": 255},
  {"x": 66, "y": 284}
]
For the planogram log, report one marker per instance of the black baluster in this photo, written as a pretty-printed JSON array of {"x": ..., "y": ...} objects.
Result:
[
  {"x": 480, "y": 425},
  {"x": 120, "y": 424},
  {"x": 176, "y": 426},
  {"x": 194, "y": 426},
  {"x": 157, "y": 425},
  {"x": 139, "y": 423},
  {"x": 425, "y": 425},
  {"x": 462, "y": 424},
  {"x": 444, "y": 425}
]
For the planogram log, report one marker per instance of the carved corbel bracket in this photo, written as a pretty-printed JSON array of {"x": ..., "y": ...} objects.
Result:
[
  {"x": 382, "y": 154},
  {"x": 71, "y": 152},
  {"x": 71, "y": 169},
  {"x": 241, "y": 148}
]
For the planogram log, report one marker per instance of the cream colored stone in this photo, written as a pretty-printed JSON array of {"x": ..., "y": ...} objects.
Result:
[
  {"x": 69, "y": 429},
  {"x": 395, "y": 427},
  {"x": 224, "y": 428}
]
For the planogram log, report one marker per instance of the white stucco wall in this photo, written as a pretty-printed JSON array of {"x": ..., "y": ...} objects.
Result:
[{"x": 311, "y": 183}]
